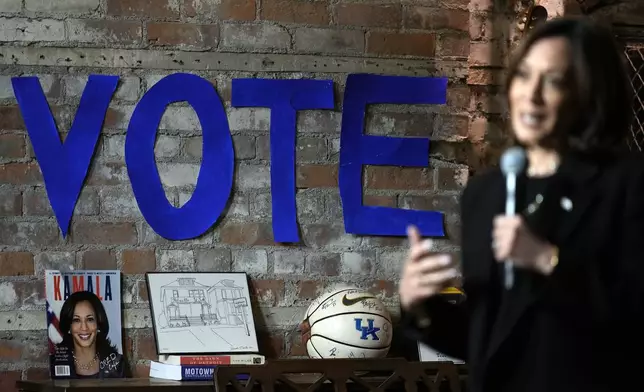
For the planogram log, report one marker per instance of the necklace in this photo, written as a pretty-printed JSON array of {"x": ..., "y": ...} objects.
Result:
[
  {"x": 88, "y": 365},
  {"x": 550, "y": 169}
]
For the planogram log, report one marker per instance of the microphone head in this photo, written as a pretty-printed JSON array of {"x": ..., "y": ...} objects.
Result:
[{"x": 513, "y": 161}]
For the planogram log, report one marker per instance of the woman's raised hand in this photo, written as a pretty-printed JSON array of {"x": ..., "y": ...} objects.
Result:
[{"x": 425, "y": 273}]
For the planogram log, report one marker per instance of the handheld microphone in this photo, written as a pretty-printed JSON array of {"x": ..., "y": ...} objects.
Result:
[{"x": 512, "y": 163}]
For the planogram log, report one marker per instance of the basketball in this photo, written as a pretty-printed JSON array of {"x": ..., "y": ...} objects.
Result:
[{"x": 347, "y": 323}]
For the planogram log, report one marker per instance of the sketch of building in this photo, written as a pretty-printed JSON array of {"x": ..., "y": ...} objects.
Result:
[
  {"x": 202, "y": 312},
  {"x": 187, "y": 302}
]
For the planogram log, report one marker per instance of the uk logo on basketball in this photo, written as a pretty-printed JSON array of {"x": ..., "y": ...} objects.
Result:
[{"x": 367, "y": 331}]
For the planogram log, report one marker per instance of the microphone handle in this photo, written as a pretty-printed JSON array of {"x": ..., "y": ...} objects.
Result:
[{"x": 510, "y": 210}]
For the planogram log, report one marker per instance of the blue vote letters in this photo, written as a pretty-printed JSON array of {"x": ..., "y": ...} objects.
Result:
[{"x": 65, "y": 165}]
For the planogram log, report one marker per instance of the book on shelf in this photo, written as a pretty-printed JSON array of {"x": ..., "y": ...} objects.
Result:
[
  {"x": 218, "y": 359},
  {"x": 185, "y": 372},
  {"x": 83, "y": 309}
]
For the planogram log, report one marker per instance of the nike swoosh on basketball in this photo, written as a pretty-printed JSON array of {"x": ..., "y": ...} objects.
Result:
[{"x": 348, "y": 302}]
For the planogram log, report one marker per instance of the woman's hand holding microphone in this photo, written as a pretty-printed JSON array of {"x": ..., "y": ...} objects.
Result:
[{"x": 425, "y": 273}]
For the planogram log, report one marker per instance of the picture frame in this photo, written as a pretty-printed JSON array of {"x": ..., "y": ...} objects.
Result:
[
  {"x": 201, "y": 313},
  {"x": 428, "y": 354}
]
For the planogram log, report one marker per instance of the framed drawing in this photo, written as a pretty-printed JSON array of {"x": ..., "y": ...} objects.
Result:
[
  {"x": 201, "y": 313},
  {"x": 428, "y": 354}
]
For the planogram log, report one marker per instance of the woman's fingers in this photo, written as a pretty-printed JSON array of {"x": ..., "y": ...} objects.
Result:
[
  {"x": 420, "y": 249},
  {"x": 435, "y": 262},
  {"x": 413, "y": 235},
  {"x": 504, "y": 235},
  {"x": 438, "y": 277}
]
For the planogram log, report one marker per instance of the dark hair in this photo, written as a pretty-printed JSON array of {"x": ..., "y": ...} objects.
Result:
[
  {"x": 599, "y": 84},
  {"x": 103, "y": 345}
]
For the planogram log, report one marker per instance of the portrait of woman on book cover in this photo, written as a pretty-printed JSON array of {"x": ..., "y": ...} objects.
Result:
[{"x": 86, "y": 349}]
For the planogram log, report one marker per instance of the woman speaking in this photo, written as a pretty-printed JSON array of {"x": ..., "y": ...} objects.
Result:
[{"x": 573, "y": 319}]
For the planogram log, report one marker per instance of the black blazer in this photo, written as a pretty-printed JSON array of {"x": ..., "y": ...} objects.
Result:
[{"x": 581, "y": 328}]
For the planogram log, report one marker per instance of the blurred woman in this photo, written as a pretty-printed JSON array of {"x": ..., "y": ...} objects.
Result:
[
  {"x": 573, "y": 319},
  {"x": 86, "y": 348}
]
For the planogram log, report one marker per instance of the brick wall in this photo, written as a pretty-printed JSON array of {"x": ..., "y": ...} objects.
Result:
[{"x": 142, "y": 40}]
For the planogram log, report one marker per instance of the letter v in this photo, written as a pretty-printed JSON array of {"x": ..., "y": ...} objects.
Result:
[{"x": 64, "y": 165}]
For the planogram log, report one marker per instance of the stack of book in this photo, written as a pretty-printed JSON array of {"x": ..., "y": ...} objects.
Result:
[{"x": 198, "y": 367}]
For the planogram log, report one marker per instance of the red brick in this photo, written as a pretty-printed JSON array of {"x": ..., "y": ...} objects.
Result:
[
  {"x": 450, "y": 151},
  {"x": 16, "y": 263},
  {"x": 143, "y": 291},
  {"x": 296, "y": 347},
  {"x": 12, "y": 146},
  {"x": 237, "y": 9},
  {"x": 296, "y": 11},
  {"x": 458, "y": 96},
  {"x": 10, "y": 118},
  {"x": 128, "y": 347},
  {"x": 403, "y": 124},
  {"x": 487, "y": 53},
  {"x": 481, "y": 5},
  {"x": 99, "y": 259},
  {"x": 271, "y": 343},
  {"x": 323, "y": 235},
  {"x": 225, "y": 10},
  {"x": 338, "y": 41},
  {"x": 10, "y": 202},
  {"x": 146, "y": 346},
  {"x": 110, "y": 173},
  {"x": 436, "y": 18},
  {"x": 247, "y": 233},
  {"x": 11, "y": 350},
  {"x": 23, "y": 233},
  {"x": 156, "y": 9},
  {"x": 36, "y": 202},
  {"x": 451, "y": 127},
  {"x": 369, "y": 15},
  {"x": 453, "y": 230},
  {"x": 63, "y": 116},
  {"x": 453, "y": 46},
  {"x": 387, "y": 177},
  {"x": 109, "y": 31},
  {"x": 309, "y": 149},
  {"x": 452, "y": 179},
  {"x": 268, "y": 292},
  {"x": 379, "y": 200},
  {"x": 104, "y": 233},
  {"x": 20, "y": 173},
  {"x": 401, "y": 44},
  {"x": 8, "y": 380},
  {"x": 482, "y": 26},
  {"x": 383, "y": 286},
  {"x": 141, "y": 370},
  {"x": 38, "y": 374},
  {"x": 485, "y": 76},
  {"x": 378, "y": 241},
  {"x": 326, "y": 264},
  {"x": 478, "y": 129},
  {"x": 487, "y": 99},
  {"x": 448, "y": 204},
  {"x": 31, "y": 293},
  {"x": 317, "y": 176},
  {"x": 138, "y": 261},
  {"x": 309, "y": 289},
  {"x": 198, "y": 36},
  {"x": 113, "y": 118},
  {"x": 483, "y": 129}
]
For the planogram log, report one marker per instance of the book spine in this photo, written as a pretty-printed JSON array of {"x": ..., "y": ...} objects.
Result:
[
  {"x": 197, "y": 373},
  {"x": 210, "y": 360},
  {"x": 201, "y": 373}
]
